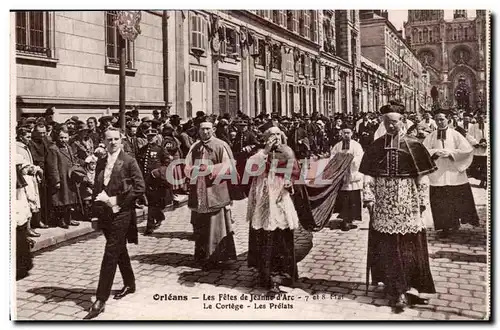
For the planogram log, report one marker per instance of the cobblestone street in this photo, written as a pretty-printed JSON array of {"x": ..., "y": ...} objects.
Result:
[{"x": 332, "y": 277}]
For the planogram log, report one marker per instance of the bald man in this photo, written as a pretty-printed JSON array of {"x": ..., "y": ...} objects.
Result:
[{"x": 396, "y": 168}]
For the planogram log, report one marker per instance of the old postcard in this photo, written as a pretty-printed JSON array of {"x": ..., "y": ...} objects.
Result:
[{"x": 250, "y": 165}]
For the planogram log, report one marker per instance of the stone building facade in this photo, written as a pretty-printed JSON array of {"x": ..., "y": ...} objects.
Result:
[
  {"x": 69, "y": 59},
  {"x": 253, "y": 61},
  {"x": 216, "y": 61},
  {"x": 404, "y": 78},
  {"x": 454, "y": 53}
]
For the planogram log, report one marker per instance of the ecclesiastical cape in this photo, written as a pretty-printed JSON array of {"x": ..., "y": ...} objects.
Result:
[
  {"x": 410, "y": 159},
  {"x": 315, "y": 201}
]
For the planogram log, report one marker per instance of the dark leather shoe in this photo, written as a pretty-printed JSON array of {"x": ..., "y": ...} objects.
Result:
[
  {"x": 42, "y": 225},
  {"x": 74, "y": 223},
  {"x": 344, "y": 226},
  {"x": 32, "y": 233},
  {"x": 148, "y": 232},
  {"x": 123, "y": 292},
  {"x": 63, "y": 224},
  {"x": 96, "y": 309},
  {"x": 401, "y": 302}
]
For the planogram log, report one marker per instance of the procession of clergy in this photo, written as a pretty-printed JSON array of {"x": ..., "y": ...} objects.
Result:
[{"x": 395, "y": 164}]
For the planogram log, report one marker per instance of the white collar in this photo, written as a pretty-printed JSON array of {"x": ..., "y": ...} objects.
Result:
[{"x": 114, "y": 155}]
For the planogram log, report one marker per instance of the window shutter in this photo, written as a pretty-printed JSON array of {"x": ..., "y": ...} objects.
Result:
[
  {"x": 307, "y": 67},
  {"x": 223, "y": 41},
  {"x": 237, "y": 43},
  {"x": 314, "y": 22},
  {"x": 295, "y": 20},
  {"x": 203, "y": 33},
  {"x": 307, "y": 24}
]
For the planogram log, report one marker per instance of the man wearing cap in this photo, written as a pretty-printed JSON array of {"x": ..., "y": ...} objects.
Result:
[
  {"x": 299, "y": 140},
  {"x": 479, "y": 166},
  {"x": 406, "y": 122},
  {"x": 395, "y": 191},
  {"x": 172, "y": 146},
  {"x": 427, "y": 123},
  {"x": 39, "y": 146},
  {"x": 209, "y": 198},
  {"x": 365, "y": 132},
  {"x": 93, "y": 134},
  {"x": 243, "y": 147},
  {"x": 131, "y": 137},
  {"x": 158, "y": 192},
  {"x": 82, "y": 145},
  {"x": 156, "y": 115},
  {"x": 348, "y": 202},
  {"x": 451, "y": 196}
]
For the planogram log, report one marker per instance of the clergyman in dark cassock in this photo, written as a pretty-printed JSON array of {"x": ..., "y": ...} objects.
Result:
[
  {"x": 209, "y": 198},
  {"x": 396, "y": 189}
]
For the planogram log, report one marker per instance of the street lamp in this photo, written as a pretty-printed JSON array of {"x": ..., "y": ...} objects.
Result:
[{"x": 127, "y": 22}]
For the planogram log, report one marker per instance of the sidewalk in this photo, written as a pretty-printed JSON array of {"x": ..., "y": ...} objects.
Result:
[{"x": 54, "y": 236}]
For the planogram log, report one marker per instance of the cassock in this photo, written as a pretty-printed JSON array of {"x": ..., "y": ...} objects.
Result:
[
  {"x": 272, "y": 217},
  {"x": 479, "y": 166},
  {"x": 348, "y": 203},
  {"x": 209, "y": 201},
  {"x": 395, "y": 169},
  {"x": 450, "y": 192}
]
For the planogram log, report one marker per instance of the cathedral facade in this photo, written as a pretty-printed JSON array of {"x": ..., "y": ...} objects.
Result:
[{"x": 454, "y": 53}]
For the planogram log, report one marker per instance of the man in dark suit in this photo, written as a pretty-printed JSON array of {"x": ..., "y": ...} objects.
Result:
[{"x": 118, "y": 183}]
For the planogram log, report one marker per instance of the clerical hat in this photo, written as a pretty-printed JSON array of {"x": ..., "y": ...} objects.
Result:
[{"x": 266, "y": 126}]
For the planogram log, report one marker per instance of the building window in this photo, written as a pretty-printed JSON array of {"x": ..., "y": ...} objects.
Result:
[
  {"x": 232, "y": 43},
  {"x": 343, "y": 92},
  {"x": 113, "y": 38},
  {"x": 260, "y": 96},
  {"x": 329, "y": 100},
  {"x": 466, "y": 30},
  {"x": 293, "y": 20},
  {"x": 291, "y": 97},
  {"x": 228, "y": 94},
  {"x": 303, "y": 100},
  {"x": 277, "y": 97},
  {"x": 430, "y": 35},
  {"x": 279, "y": 17},
  {"x": 314, "y": 69},
  {"x": 302, "y": 64},
  {"x": 305, "y": 24},
  {"x": 32, "y": 33},
  {"x": 420, "y": 39},
  {"x": 261, "y": 59},
  {"x": 276, "y": 57},
  {"x": 313, "y": 25},
  {"x": 198, "y": 33},
  {"x": 313, "y": 100}
]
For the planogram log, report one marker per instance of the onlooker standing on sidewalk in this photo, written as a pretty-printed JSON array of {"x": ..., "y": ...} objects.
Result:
[
  {"x": 32, "y": 175},
  {"x": 63, "y": 192},
  {"x": 39, "y": 147}
]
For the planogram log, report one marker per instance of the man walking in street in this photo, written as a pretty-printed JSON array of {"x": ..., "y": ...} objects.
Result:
[
  {"x": 450, "y": 191},
  {"x": 118, "y": 184},
  {"x": 348, "y": 202},
  {"x": 395, "y": 168},
  {"x": 209, "y": 198}
]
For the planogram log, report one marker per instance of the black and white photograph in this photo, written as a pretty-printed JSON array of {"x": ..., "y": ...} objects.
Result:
[{"x": 273, "y": 165}]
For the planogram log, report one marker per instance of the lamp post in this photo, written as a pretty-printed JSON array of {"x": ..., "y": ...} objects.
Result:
[{"x": 127, "y": 23}]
